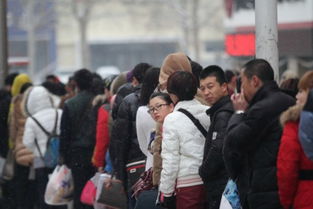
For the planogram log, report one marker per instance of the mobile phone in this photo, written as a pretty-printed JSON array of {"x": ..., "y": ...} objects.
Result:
[{"x": 238, "y": 85}]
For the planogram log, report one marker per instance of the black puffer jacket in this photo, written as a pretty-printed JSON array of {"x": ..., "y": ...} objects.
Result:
[
  {"x": 122, "y": 92},
  {"x": 212, "y": 170},
  {"x": 124, "y": 146},
  {"x": 251, "y": 147}
]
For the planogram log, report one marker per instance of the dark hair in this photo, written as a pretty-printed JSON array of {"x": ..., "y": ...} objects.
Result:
[
  {"x": 150, "y": 82},
  {"x": 25, "y": 86},
  {"x": 164, "y": 96},
  {"x": 108, "y": 81},
  {"x": 10, "y": 79},
  {"x": 55, "y": 88},
  {"x": 83, "y": 79},
  {"x": 290, "y": 86},
  {"x": 196, "y": 70},
  {"x": 183, "y": 85},
  {"x": 97, "y": 86},
  {"x": 213, "y": 71},
  {"x": 52, "y": 77},
  {"x": 140, "y": 70},
  {"x": 229, "y": 75},
  {"x": 260, "y": 68}
]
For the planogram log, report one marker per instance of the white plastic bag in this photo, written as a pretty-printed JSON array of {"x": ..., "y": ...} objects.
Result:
[
  {"x": 225, "y": 203},
  {"x": 100, "y": 182},
  {"x": 60, "y": 186}
]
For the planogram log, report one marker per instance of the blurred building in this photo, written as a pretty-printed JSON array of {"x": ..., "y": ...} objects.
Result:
[
  {"x": 123, "y": 33},
  {"x": 19, "y": 23},
  {"x": 295, "y": 35}
]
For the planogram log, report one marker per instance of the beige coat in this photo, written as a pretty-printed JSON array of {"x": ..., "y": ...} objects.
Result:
[
  {"x": 22, "y": 155},
  {"x": 157, "y": 159}
]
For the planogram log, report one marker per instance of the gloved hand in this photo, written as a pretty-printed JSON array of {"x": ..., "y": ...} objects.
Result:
[
  {"x": 169, "y": 202},
  {"x": 166, "y": 202}
]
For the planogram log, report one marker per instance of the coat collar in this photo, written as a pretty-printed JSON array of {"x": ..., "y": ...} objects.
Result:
[
  {"x": 267, "y": 87},
  {"x": 220, "y": 103},
  {"x": 291, "y": 114},
  {"x": 185, "y": 104}
]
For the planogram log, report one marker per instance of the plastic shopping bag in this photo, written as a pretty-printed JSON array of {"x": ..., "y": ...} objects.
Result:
[
  {"x": 88, "y": 194},
  {"x": 230, "y": 198},
  {"x": 60, "y": 186}
]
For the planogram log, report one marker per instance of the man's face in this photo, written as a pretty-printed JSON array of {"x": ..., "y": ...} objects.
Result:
[
  {"x": 247, "y": 87},
  {"x": 212, "y": 90}
]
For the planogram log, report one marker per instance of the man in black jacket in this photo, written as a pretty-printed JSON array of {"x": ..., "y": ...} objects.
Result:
[
  {"x": 253, "y": 136},
  {"x": 212, "y": 171},
  {"x": 77, "y": 140}
]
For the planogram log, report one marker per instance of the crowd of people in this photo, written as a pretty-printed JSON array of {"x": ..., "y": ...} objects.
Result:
[{"x": 192, "y": 129}]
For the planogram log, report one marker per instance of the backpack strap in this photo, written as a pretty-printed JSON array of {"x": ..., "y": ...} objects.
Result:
[
  {"x": 46, "y": 132},
  {"x": 54, "y": 131},
  {"x": 195, "y": 121},
  {"x": 39, "y": 150},
  {"x": 40, "y": 126}
]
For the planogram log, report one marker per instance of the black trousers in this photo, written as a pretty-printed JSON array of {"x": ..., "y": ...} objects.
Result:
[
  {"x": 24, "y": 188},
  {"x": 81, "y": 174}
]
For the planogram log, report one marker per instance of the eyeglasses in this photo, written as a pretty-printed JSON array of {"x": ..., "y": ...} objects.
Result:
[{"x": 156, "y": 108}]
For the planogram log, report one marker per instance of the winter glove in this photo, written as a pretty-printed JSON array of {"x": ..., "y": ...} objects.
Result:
[
  {"x": 169, "y": 202},
  {"x": 166, "y": 202}
]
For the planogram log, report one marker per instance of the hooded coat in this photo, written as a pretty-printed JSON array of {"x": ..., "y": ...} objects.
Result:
[
  {"x": 40, "y": 105},
  {"x": 295, "y": 191},
  {"x": 172, "y": 63}
]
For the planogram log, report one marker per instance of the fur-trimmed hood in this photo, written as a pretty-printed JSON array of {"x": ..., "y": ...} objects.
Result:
[{"x": 291, "y": 114}]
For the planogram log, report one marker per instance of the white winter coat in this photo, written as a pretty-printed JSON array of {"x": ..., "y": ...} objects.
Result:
[
  {"x": 41, "y": 107},
  {"x": 182, "y": 147}
]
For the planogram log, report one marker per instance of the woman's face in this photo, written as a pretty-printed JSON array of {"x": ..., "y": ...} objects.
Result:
[
  {"x": 302, "y": 96},
  {"x": 159, "y": 109}
]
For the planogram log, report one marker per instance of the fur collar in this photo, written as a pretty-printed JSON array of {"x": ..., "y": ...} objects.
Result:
[{"x": 291, "y": 114}]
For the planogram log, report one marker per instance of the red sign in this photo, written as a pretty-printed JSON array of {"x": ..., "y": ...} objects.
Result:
[{"x": 240, "y": 44}]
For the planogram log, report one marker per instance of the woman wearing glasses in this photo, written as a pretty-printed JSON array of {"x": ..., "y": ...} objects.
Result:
[
  {"x": 182, "y": 145},
  {"x": 159, "y": 106}
]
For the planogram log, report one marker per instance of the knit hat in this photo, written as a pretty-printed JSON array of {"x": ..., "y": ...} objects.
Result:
[{"x": 172, "y": 63}]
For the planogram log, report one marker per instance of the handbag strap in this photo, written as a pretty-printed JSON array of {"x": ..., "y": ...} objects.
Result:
[{"x": 195, "y": 121}]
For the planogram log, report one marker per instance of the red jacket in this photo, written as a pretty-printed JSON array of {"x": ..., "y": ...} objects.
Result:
[
  {"x": 102, "y": 138},
  {"x": 293, "y": 192}
]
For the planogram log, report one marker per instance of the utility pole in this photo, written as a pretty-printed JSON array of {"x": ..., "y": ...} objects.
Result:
[
  {"x": 266, "y": 33},
  {"x": 3, "y": 42}
]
